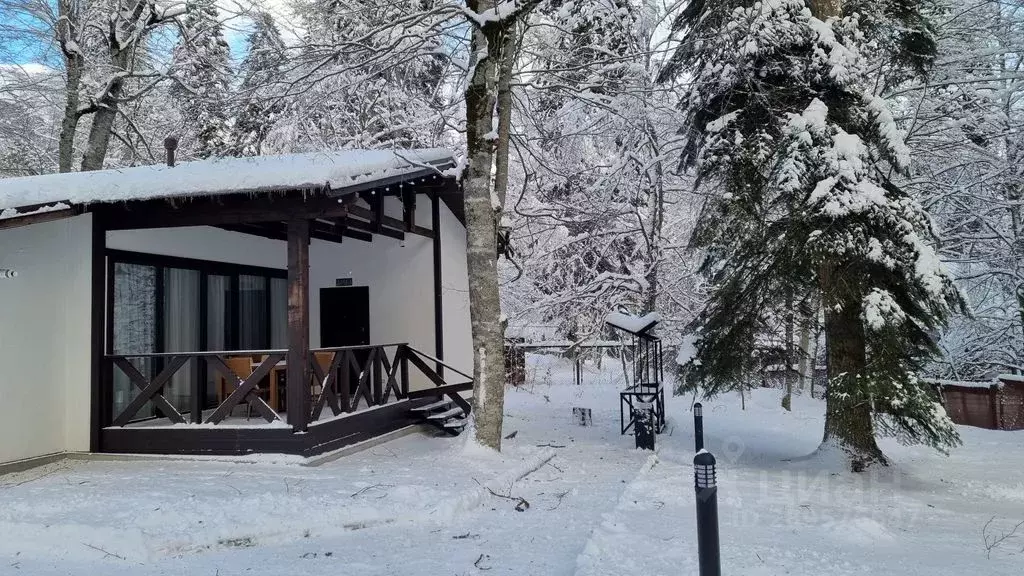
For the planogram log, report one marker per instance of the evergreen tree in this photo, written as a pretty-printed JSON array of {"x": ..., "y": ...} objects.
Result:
[
  {"x": 258, "y": 110},
  {"x": 203, "y": 73},
  {"x": 803, "y": 159}
]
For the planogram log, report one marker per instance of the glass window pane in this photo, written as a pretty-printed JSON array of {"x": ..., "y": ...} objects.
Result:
[
  {"x": 181, "y": 326},
  {"x": 218, "y": 320},
  {"x": 134, "y": 328},
  {"x": 218, "y": 291},
  {"x": 252, "y": 312}
]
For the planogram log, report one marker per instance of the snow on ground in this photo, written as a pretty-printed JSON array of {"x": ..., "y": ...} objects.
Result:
[{"x": 431, "y": 506}]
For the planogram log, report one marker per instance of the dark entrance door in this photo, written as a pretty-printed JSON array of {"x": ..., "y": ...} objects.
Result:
[
  {"x": 344, "y": 316},
  {"x": 345, "y": 321}
]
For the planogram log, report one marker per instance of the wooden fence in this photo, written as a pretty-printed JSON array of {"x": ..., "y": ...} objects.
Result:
[{"x": 996, "y": 405}]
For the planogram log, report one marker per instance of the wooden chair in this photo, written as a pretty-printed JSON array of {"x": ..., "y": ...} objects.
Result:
[
  {"x": 324, "y": 359},
  {"x": 241, "y": 365}
]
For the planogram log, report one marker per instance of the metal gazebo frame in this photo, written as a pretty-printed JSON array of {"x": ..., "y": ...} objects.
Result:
[{"x": 647, "y": 390}]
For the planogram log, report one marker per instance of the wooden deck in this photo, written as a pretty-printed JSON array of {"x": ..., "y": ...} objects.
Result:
[{"x": 361, "y": 392}]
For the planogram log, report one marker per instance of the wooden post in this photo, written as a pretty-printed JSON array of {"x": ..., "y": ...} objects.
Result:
[
  {"x": 298, "y": 324},
  {"x": 100, "y": 397},
  {"x": 403, "y": 353},
  {"x": 435, "y": 218},
  {"x": 993, "y": 396}
]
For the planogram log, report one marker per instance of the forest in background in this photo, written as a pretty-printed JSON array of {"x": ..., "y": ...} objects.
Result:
[{"x": 597, "y": 209}]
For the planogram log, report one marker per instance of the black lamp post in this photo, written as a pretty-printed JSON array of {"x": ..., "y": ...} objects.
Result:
[{"x": 707, "y": 514}]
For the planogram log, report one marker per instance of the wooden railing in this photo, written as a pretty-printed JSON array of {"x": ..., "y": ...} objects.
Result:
[
  {"x": 442, "y": 387},
  {"x": 242, "y": 385},
  {"x": 341, "y": 380}
]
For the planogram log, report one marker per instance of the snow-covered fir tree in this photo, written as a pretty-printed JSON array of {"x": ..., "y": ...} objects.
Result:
[
  {"x": 257, "y": 108},
  {"x": 802, "y": 161},
  {"x": 202, "y": 70}
]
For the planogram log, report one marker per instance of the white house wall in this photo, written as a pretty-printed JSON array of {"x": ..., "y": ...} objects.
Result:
[
  {"x": 45, "y": 338},
  {"x": 458, "y": 343}
]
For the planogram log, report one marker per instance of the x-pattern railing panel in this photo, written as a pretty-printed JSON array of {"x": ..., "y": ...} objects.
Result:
[
  {"x": 247, "y": 389},
  {"x": 347, "y": 382},
  {"x": 149, "y": 389}
]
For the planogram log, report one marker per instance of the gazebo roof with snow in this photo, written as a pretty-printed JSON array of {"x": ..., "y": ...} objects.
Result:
[
  {"x": 636, "y": 325},
  {"x": 311, "y": 185}
]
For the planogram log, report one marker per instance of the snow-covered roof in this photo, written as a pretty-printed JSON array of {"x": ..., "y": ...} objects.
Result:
[
  {"x": 631, "y": 323},
  {"x": 336, "y": 170},
  {"x": 962, "y": 383}
]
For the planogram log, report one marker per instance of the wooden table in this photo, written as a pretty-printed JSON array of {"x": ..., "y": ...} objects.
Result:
[{"x": 280, "y": 370}]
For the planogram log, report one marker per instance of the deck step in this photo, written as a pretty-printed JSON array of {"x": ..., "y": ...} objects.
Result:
[
  {"x": 456, "y": 423},
  {"x": 446, "y": 414},
  {"x": 433, "y": 406}
]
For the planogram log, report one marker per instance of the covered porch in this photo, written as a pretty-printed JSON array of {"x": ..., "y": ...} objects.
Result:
[{"x": 292, "y": 304}]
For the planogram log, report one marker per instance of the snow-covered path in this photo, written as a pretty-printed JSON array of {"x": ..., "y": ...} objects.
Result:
[{"x": 418, "y": 506}]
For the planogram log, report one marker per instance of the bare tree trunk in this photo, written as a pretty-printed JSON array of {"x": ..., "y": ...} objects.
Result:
[
  {"x": 654, "y": 244},
  {"x": 825, "y": 9},
  {"x": 804, "y": 349},
  {"x": 787, "y": 399},
  {"x": 481, "y": 235},
  {"x": 816, "y": 353},
  {"x": 100, "y": 131},
  {"x": 506, "y": 67},
  {"x": 106, "y": 112},
  {"x": 73, "y": 63}
]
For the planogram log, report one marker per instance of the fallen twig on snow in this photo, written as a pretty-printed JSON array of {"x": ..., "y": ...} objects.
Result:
[
  {"x": 522, "y": 504},
  {"x": 992, "y": 541},
  {"x": 560, "y": 496},
  {"x": 371, "y": 488},
  {"x": 550, "y": 445},
  {"x": 98, "y": 549},
  {"x": 480, "y": 559}
]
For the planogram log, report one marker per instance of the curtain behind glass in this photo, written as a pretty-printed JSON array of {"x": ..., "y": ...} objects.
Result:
[
  {"x": 181, "y": 330},
  {"x": 218, "y": 290},
  {"x": 134, "y": 327},
  {"x": 278, "y": 313},
  {"x": 252, "y": 312}
]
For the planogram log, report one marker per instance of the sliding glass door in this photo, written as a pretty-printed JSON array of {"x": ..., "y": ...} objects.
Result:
[
  {"x": 134, "y": 325},
  {"x": 164, "y": 304},
  {"x": 253, "y": 312},
  {"x": 181, "y": 330}
]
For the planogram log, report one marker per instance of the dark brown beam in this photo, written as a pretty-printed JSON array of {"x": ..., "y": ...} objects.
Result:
[
  {"x": 375, "y": 229},
  {"x": 278, "y": 231},
  {"x": 331, "y": 232},
  {"x": 378, "y": 214},
  {"x": 297, "y": 372},
  {"x": 215, "y": 211},
  {"x": 261, "y": 230},
  {"x": 368, "y": 215},
  {"x": 16, "y": 221},
  {"x": 435, "y": 223},
  {"x": 420, "y": 179},
  {"x": 101, "y": 381},
  {"x": 389, "y": 222},
  {"x": 409, "y": 209}
]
